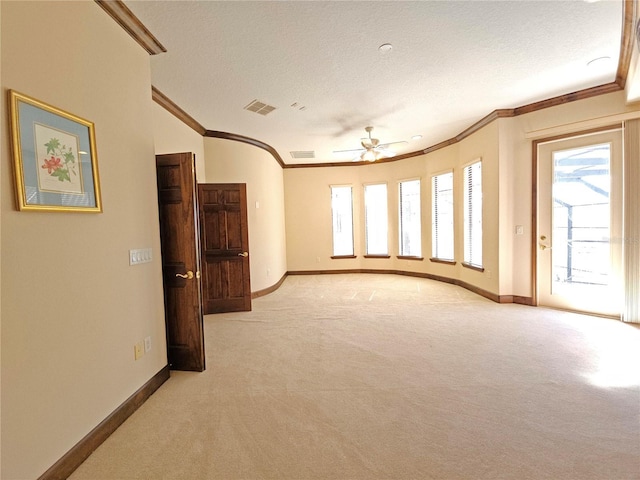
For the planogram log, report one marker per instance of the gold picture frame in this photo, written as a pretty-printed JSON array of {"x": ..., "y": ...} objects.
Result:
[{"x": 54, "y": 158}]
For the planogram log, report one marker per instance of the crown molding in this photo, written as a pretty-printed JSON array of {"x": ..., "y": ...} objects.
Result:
[
  {"x": 170, "y": 106},
  {"x": 629, "y": 19},
  {"x": 251, "y": 141},
  {"x": 132, "y": 25},
  {"x": 629, "y": 16},
  {"x": 173, "y": 108}
]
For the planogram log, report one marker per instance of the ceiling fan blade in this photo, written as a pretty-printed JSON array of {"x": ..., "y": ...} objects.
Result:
[
  {"x": 385, "y": 145},
  {"x": 348, "y": 151},
  {"x": 383, "y": 152},
  {"x": 371, "y": 149}
]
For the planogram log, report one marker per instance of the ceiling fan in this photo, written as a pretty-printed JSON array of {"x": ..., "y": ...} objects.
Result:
[{"x": 371, "y": 149}]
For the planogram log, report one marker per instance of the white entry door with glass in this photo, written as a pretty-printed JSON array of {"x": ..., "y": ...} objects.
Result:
[{"x": 579, "y": 223}]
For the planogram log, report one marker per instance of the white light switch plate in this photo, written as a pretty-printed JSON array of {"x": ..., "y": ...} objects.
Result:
[{"x": 140, "y": 255}]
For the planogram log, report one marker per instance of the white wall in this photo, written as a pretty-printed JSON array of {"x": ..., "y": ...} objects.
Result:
[
  {"x": 308, "y": 211},
  {"x": 171, "y": 135},
  {"x": 516, "y": 135},
  {"x": 632, "y": 87},
  {"x": 228, "y": 161},
  {"x": 505, "y": 148},
  {"x": 72, "y": 308}
]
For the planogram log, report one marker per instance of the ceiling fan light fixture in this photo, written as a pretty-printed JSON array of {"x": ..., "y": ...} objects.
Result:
[
  {"x": 369, "y": 156},
  {"x": 372, "y": 149}
]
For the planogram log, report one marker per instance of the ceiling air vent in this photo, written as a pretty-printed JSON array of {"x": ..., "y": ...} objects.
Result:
[
  {"x": 303, "y": 154},
  {"x": 259, "y": 107}
]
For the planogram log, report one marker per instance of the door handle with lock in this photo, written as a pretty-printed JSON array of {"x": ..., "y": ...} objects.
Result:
[
  {"x": 542, "y": 245},
  {"x": 188, "y": 275},
  {"x": 243, "y": 254}
]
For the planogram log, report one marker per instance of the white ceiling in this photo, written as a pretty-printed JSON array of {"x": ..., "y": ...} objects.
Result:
[{"x": 452, "y": 63}]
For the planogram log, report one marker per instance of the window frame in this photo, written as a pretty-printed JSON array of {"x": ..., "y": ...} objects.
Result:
[
  {"x": 468, "y": 218},
  {"x": 401, "y": 254},
  {"x": 333, "y": 223},
  {"x": 435, "y": 227},
  {"x": 366, "y": 217}
]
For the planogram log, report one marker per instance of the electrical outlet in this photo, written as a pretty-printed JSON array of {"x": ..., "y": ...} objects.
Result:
[
  {"x": 147, "y": 344},
  {"x": 138, "y": 350},
  {"x": 317, "y": 259}
]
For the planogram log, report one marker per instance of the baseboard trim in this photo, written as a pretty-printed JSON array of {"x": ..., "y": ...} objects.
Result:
[
  {"x": 523, "y": 300},
  {"x": 454, "y": 281},
  {"x": 268, "y": 290},
  {"x": 81, "y": 451}
]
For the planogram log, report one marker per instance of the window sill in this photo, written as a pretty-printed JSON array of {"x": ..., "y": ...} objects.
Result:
[
  {"x": 338, "y": 257},
  {"x": 473, "y": 267},
  {"x": 377, "y": 256},
  {"x": 441, "y": 260},
  {"x": 406, "y": 257}
]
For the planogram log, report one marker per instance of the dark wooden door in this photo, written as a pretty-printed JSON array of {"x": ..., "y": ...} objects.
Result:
[
  {"x": 225, "y": 247},
  {"x": 179, "y": 235}
]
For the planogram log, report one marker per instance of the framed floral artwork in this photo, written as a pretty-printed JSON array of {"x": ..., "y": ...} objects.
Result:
[{"x": 55, "y": 159}]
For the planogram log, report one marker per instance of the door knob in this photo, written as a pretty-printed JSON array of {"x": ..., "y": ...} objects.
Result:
[
  {"x": 188, "y": 275},
  {"x": 243, "y": 254},
  {"x": 542, "y": 245}
]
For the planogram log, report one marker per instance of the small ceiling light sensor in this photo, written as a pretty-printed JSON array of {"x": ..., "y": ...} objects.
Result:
[
  {"x": 416, "y": 137},
  {"x": 600, "y": 62},
  {"x": 385, "y": 48}
]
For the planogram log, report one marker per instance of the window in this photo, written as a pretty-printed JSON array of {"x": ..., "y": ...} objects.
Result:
[
  {"x": 442, "y": 216},
  {"x": 342, "y": 213},
  {"x": 473, "y": 214},
  {"x": 410, "y": 230},
  {"x": 375, "y": 211},
  {"x": 581, "y": 221}
]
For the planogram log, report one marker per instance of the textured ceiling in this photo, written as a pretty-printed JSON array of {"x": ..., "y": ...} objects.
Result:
[{"x": 452, "y": 63}]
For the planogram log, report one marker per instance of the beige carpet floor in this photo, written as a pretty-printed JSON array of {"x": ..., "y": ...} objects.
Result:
[{"x": 391, "y": 377}]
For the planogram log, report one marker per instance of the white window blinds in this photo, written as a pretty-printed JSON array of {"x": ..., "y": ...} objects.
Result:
[
  {"x": 473, "y": 214},
  {"x": 409, "y": 228},
  {"x": 442, "y": 216},
  {"x": 342, "y": 213},
  {"x": 375, "y": 206}
]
